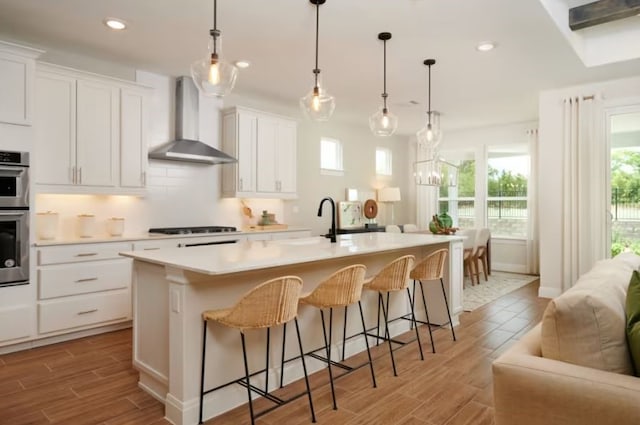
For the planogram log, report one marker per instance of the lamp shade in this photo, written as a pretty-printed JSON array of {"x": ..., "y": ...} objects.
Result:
[{"x": 389, "y": 194}]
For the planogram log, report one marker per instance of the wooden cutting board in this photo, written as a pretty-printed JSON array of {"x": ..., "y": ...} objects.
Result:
[{"x": 268, "y": 227}]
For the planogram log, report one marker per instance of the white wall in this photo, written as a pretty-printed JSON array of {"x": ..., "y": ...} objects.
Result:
[{"x": 614, "y": 93}]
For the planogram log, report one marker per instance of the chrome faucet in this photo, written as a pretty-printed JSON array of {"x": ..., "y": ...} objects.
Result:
[{"x": 331, "y": 235}]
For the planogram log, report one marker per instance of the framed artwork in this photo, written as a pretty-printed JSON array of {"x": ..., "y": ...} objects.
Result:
[{"x": 350, "y": 215}]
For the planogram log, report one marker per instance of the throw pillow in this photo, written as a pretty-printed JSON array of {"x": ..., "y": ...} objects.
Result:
[
  {"x": 633, "y": 320},
  {"x": 586, "y": 325}
]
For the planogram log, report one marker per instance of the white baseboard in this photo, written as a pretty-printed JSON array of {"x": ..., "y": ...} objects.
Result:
[
  {"x": 509, "y": 268},
  {"x": 547, "y": 292}
]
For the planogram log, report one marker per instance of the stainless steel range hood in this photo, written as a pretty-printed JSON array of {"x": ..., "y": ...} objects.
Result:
[{"x": 187, "y": 147}]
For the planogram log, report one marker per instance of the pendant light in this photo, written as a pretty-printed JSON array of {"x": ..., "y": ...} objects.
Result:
[
  {"x": 431, "y": 170},
  {"x": 318, "y": 105},
  {"x": 212, "y": 75},
  {"x": 382, "y": 122},
  {"x": 430, "y": 134}
]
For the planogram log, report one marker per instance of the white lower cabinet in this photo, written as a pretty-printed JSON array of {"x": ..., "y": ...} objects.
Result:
[
  {"x": 83, "y": 286},
  {"x": 17, "y": 323}
]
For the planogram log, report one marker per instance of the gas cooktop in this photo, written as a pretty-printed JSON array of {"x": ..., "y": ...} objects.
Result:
[{"x": 191, "y": 230}]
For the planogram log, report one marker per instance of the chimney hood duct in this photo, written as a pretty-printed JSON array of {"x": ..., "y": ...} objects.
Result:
[{"x": 187, "y": 147}]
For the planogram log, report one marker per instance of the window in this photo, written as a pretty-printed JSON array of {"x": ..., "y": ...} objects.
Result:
[
  {"x": 383, "y": 162},
  {"x": 330, "y": 156},
  {"x": 507, "y": 178},
  {"x": 459, "y": 201}
]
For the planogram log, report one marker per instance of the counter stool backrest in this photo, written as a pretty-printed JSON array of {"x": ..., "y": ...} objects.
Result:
[
  {"x": 269, "y": 304},
  {"x": 394, "y": 276},
  {"x": 432, "y": 267},
  {"x": 342, "y": 288}
]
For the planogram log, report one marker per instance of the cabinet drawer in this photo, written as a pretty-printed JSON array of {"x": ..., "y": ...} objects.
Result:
[
  {"x": 79, "y": 253},
  {"x": 82, "y": 311},
  {"x": 17, "y": 323},
  {"x": 74, "y": 279}
]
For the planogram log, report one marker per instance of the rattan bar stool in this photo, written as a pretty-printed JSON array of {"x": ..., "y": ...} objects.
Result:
[
  {"x": 431, "y": 268},
  {"x": 269, "y": 304},
  {"x": 393, "y": 277},
  {"x": 342, "y": 289}
]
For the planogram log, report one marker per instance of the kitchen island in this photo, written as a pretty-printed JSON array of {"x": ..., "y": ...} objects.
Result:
[{"x": 172, "y": 287}]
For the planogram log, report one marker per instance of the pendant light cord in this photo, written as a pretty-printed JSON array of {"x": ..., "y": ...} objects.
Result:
[
  {"x": 384, "y": 75},
  {"x": 429, "y": 97},
  {"x": 214, "y": 32},
  {"x": 316, "y": 71}
]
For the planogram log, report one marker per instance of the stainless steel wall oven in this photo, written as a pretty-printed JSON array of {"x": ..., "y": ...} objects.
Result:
[{"x": 14, "y": 218}]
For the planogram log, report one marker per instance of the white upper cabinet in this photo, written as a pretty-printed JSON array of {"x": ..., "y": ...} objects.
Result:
[
  {"x": 17, "y": 66},
  {"x": 133, "y": 145},
  {"x": 90, "y": 133},
  {"x": 265, "y": 146}
]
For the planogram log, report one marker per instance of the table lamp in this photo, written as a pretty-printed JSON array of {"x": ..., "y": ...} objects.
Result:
[{"x": 391, "y": 195}]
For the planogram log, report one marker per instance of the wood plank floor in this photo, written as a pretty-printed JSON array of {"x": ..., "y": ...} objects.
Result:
[{"x": 91, "y": 380}]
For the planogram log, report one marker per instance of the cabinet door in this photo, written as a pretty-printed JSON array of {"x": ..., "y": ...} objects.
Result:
[
  {"x": 247, "y": 135},
  {"x": 55, "y": 133},
  {"x": 286, "y": 157},
  {"x": 97, "y": 133},
  {"x": 16, "y": 74},
  {"x": 133, "y": 146},
  {"x": 266, "y": 154}
]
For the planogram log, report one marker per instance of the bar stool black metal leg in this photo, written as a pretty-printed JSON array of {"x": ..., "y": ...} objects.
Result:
[
  {"x": 266, "y": 365},
  {"x": 378, "y": 322},
  {"x": 284, "y": 339},
  {"x": 304, "y": 369},
  {"x": 328, "y": 350},
  {"x": 413, "y": 321},
  {"x": 246, "y": 372},
  {"x": 446, "y": 303},
  {"x": 366, "y": 342},
  {"x": 413, "y": 306},
  {"x": 204, "y": 352},
  {"x": 426, "y": 312},
  {"x": 344, "y": 332},
  {"x": 388, "y": 335}
]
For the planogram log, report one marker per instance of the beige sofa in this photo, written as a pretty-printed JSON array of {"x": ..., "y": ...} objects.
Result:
[{"x": 585, "y": 376}]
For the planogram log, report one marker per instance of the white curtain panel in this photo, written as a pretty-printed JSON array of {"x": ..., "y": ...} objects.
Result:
[
  {"x": 584, "y": 206},
  {"x": 533, "y": 258}
]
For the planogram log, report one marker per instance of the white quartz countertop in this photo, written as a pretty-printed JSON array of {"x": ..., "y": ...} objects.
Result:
[
  {"x": 155, "y": 236},
  {"x": 255, "y": 255}
]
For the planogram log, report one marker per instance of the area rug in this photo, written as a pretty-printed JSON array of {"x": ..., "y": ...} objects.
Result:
[{"x": 499, "y": 284}]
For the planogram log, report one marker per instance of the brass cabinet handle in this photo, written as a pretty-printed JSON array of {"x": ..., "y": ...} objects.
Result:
[
  {"x": 86, "y": 254},
  {"x": 80, "y": 313}
]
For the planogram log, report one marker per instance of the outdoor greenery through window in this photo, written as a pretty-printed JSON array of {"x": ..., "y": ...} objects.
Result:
[
  {"x": 507, "y": 178},
  {"x": 459, "y": 201},
  {"x": 625, "y": 200}
]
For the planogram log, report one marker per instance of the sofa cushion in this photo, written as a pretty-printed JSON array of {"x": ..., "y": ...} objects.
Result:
[
  {"x": 586, "y": 325},
  {"x": 633, "y": 320}
]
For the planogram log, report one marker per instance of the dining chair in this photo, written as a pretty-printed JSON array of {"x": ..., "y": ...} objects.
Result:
[
  {"x": 469, "y": 247},
  {"x": 481, "y": 253},
  {"x": 408, "y": 228}
]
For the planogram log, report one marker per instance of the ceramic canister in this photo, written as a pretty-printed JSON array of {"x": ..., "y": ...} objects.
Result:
[
  {"x": 115, "y": 226},
  {"x": 86, "y": 225},
  {"x": 47, "y": 225}
]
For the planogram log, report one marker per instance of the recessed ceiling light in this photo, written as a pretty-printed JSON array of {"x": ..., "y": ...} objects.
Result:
[
  {"x": 242, "y": 64},
  {"x": 485, "y": 46},
  {"x": 115, "y": 24}
]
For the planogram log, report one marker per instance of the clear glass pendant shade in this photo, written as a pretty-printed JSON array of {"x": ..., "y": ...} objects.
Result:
[
  {"x": 383, "y": 123},
  {"x": 318, "y": 105},
  {"x": 212, "y": 75}
]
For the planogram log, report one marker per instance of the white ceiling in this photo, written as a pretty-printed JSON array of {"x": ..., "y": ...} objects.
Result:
[{"x": 469, "y": 88}]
